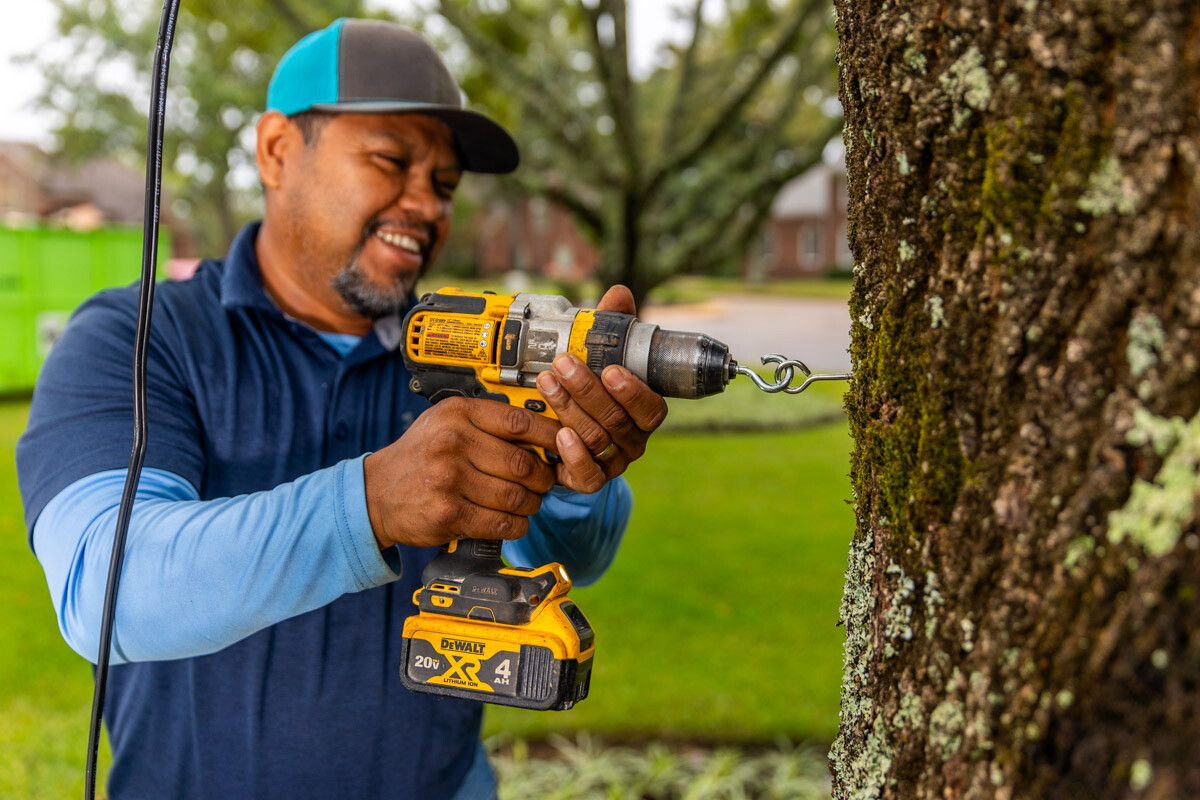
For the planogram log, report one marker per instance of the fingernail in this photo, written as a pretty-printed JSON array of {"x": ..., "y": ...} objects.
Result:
[
  {"x": 566, "y": 439},
  {"x": 547, "y": 384},
  {"x": 615, "y": 377},
  {"x": 566, "y": 365}
]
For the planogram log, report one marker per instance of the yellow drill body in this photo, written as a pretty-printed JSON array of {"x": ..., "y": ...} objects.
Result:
[{"x": 501, "y": 634}]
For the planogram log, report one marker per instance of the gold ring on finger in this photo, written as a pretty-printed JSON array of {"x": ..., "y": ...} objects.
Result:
[{"x": 606, "y": 453}]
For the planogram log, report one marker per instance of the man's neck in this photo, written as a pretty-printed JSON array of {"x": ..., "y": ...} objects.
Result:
[{"x": 318, "y": 307}]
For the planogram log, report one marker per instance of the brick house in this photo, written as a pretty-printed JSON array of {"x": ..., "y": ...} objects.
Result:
[
  {"x": 533, "y": 235},
  {"x": 806, "y": 235}
]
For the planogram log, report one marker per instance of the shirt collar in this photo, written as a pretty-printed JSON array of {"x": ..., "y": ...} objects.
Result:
[
  {"x": 241, "y": 282},
  {"x": 241, "y": 285}
]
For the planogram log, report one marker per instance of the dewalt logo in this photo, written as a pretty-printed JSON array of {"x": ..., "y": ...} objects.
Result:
[{"x": 459, "y": 646}]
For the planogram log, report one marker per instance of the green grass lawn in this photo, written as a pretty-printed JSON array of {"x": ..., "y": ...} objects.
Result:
[
  {"x": 716, "y": 623},
  {"x": 45, "y": 689},
  {"x": 743, "y": 408}
]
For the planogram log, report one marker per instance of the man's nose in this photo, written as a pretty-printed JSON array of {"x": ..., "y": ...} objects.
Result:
[{"x": 421, "y": 200}]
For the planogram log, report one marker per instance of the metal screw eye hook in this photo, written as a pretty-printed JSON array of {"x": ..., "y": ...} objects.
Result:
[
  {"x": 784, "y": 372},
  {"x": 769, "y": 388},
  {"x": 782, "y": 363},
  {"x": 810, "y": 378},
  {"x": 828, "y": 376}
]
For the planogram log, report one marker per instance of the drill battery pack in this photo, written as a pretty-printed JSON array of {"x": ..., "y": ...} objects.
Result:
[{"x": 504, "y": 635}]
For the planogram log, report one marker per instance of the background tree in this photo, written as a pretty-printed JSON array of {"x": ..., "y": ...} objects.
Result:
[
  {"x": 224, "y": 54},
  {"x": 1021, "y": 604},
  {"x": 673, "y": 173}
]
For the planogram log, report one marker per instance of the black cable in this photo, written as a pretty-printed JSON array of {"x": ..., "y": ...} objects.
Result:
[{"x": 154, "y": 148}]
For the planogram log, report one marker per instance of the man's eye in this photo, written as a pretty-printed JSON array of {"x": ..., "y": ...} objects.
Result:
[
  {"x": 446, "y": 190},
  {"x": 394, "y": 161}
]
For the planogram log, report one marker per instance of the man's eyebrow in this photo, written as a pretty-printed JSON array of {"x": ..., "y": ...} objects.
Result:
[
  {"x": 396, "y": 138},
  {"x": 402, "y": 141}
]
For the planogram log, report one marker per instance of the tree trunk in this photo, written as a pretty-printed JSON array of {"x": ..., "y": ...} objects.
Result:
[{"x": 1021, "y": 603}]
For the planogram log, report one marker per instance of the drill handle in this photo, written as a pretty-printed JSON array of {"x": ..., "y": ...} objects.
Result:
[{"x": 463, "y": 557}]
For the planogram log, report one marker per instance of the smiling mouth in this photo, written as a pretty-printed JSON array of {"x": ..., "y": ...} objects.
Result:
[{"x": 401, "y": 240}]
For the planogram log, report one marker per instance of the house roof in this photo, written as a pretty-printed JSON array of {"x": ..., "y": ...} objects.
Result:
[
  {"x": 808, "y": 195},
  {"x": 115, "y": 189},
  {"x": 26, "y": 157}
]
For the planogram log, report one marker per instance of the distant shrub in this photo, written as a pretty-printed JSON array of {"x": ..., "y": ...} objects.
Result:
[{"x": 587, "y": 769}]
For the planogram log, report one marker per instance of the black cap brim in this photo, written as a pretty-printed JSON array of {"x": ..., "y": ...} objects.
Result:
[{"x": 483, "y": 144}]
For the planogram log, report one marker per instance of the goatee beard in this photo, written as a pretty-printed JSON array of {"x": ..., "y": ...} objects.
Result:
[
  {"x": 362, "y": 295},
  {"x": 365, "y": 297}
]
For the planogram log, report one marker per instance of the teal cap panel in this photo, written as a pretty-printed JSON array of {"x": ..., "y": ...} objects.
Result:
[{"x": 307, "y": 75}]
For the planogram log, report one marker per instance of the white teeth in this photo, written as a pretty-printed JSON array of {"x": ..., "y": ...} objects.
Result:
[{"x": 401, "y": 240}]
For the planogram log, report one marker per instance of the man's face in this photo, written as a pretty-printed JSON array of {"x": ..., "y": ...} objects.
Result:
[{"x": 368, "y": 205}]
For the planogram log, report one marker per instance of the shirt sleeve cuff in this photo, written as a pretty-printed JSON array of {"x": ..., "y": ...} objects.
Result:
[
  {"x": 370, "y": 566},
  {"x": 569, "y": 505}
]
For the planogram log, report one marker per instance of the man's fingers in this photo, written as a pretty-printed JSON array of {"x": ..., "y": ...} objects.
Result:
[
  {"x": 618, "y": 298},
  {"x": 595, "y": 438},
  {"x": 478, "y": 522},
  {"x": 645, "y": 407},
  {"x": 579, "y": 471},
  {"x": 589, "y": 394},
  {"x": 501, "y": 495},
  {"x": 511, "y": 462},
  {"x": 507, "y": 422}
]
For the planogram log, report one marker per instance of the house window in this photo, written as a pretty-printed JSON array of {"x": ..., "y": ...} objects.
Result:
[
  {"x": 844, "y": 257},
  {"x": 810, "y": 246},
  {"x": 564, "y": 261},
  {"x": 539, "y": 214}
]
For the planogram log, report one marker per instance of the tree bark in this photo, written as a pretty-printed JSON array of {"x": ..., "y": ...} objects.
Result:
[{"x": 1021, "y": 606}]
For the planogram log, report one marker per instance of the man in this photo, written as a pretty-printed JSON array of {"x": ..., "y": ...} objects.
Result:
[{"x": 270, "y": 564}]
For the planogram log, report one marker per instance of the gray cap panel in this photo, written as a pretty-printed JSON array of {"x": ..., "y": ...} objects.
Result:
[{"x": 381, "y": 60}]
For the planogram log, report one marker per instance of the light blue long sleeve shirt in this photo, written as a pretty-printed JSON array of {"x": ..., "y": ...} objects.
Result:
[{"x": 199, "y": 575}]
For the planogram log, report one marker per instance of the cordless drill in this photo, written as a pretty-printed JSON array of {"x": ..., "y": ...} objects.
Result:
[{"x": 510, "y": 635}]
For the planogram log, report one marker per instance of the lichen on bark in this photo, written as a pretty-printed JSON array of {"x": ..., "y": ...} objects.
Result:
[{"x": 1022, "y": 604}]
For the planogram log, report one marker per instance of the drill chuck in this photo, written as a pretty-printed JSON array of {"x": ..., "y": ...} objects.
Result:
[{"x": 678, "y": 363}]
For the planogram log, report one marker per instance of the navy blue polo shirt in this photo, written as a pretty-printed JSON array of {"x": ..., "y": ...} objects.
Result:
[{"x": 242, "y": 399}]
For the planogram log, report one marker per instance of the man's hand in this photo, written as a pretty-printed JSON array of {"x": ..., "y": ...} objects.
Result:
[
  {"x": 458, "y": 472},
  {"x": 607, "y": 421}
]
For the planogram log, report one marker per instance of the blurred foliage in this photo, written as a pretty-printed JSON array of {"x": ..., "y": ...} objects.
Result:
[
  {"x": 225, "y": 51},
  {"x": 668, "y": 174},
  {"x": 584, "y": 768}
]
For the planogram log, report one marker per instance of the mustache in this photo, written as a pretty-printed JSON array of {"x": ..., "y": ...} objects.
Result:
[{"x": 403, "y": 221}]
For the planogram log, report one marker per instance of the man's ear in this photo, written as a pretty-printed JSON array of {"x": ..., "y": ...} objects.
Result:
[{"x": 277, "y": 140}]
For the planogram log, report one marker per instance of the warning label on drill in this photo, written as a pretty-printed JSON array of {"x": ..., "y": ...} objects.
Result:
[
  {"x": 465, "y": 663},
  {"x": 456, "y": 337}
]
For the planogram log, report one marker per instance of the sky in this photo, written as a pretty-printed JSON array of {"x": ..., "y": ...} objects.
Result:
[{"x": 29, "y": 25}]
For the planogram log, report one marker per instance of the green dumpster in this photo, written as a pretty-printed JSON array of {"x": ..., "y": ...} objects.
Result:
[{"x": 44, "y": 274}]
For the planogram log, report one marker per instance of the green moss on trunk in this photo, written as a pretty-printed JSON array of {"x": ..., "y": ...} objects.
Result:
[{"x": 1021, "y": 600}]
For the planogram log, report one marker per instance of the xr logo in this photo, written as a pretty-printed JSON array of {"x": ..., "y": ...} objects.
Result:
[{"x": 462, "y": 668}]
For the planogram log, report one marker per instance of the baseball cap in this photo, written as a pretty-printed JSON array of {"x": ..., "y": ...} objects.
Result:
[{"x": 376, "y": 67}]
